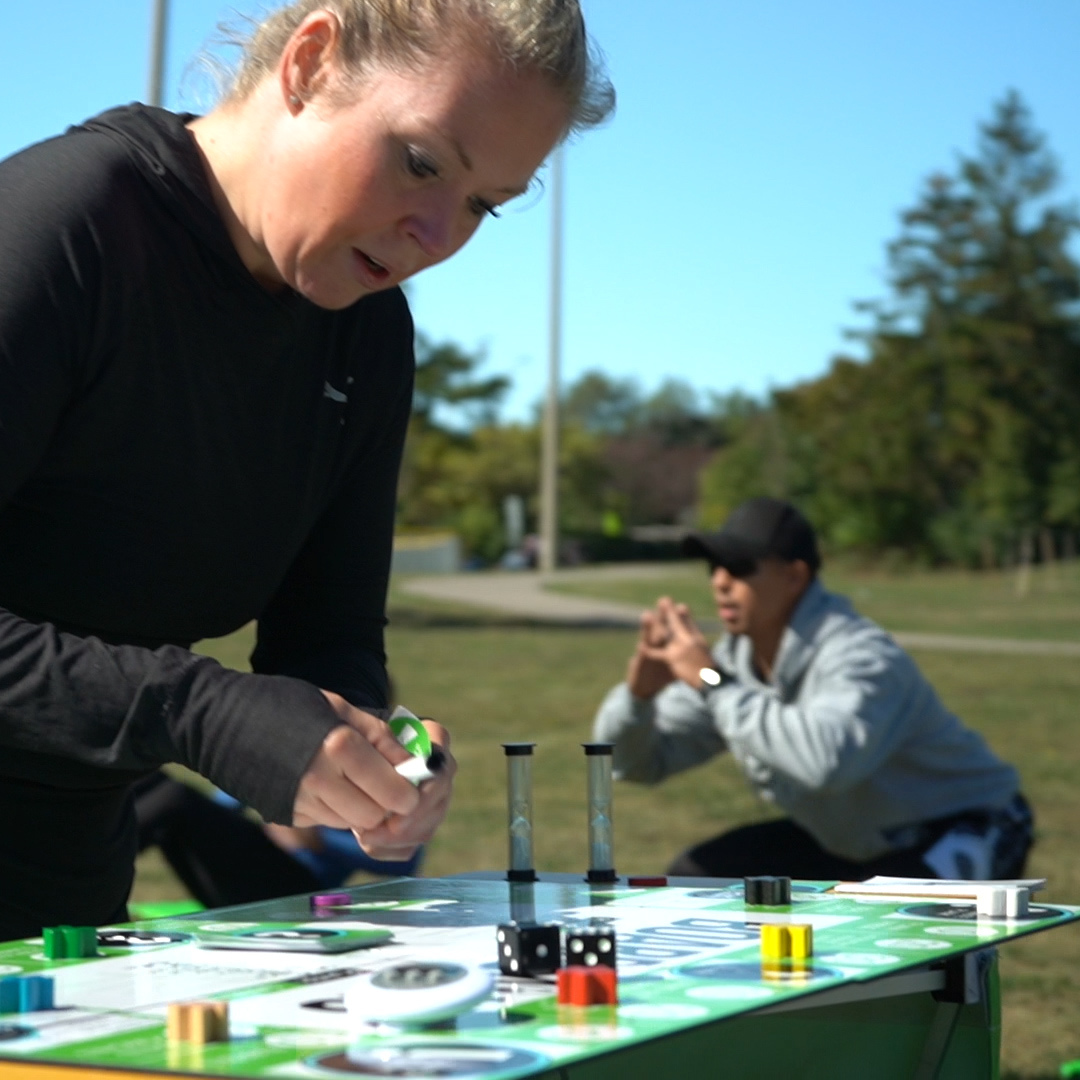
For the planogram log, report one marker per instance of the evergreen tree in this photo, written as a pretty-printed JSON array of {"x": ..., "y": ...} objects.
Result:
[
  {"x": 446, "y": 384},
  {"x": 962, "y": 426}
]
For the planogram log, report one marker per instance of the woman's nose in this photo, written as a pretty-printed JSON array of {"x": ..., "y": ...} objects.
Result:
[{"x": 433, "y": 228}]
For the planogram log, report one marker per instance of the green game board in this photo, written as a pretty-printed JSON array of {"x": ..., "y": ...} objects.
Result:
[{"x": 692, "y": 988}]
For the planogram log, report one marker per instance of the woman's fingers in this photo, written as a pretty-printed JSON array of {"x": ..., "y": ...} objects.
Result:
[
  {"x": 376, "y": 731},
  {"x": 403, "y": 833},
  {"x": 351, "y": 784},
  {"x": 409, "y": 831}
]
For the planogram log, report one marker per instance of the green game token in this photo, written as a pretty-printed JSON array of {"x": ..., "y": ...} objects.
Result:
[
  {"x": 69, "y": 942},
  {"x": 410, "y": 732}
]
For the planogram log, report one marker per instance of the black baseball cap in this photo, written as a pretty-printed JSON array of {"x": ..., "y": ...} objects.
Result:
[{"x": 759, "y": 528}]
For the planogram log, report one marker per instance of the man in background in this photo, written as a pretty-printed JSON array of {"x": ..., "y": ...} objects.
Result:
[{"x": 827, "y": 716}]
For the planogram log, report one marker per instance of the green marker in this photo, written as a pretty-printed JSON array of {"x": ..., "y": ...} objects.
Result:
[{"x": 411, "y": 733}]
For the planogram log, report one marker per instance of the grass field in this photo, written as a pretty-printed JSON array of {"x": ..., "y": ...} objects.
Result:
[
  {"x": 493, "y": 680},
  {"x": 929, "y": 601}
]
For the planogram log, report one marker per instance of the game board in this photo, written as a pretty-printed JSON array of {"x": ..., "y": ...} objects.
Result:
[{"x": 694, "y": 994}]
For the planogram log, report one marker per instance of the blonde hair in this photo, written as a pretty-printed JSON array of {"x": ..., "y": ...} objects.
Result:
[{"x": 546, "y": 36}]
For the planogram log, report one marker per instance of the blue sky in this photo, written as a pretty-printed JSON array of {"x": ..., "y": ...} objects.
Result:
[{"x": 721, "y": 226}]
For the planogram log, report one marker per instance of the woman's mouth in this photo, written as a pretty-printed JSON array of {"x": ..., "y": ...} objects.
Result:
[{"x": 370, "y": 271}]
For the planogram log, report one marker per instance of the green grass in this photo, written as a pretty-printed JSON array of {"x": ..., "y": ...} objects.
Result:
[
  {"x": 492, "y": 680},
  {"x": 930, "y": 601}
]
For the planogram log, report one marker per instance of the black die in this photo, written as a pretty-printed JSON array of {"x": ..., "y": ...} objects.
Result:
[
  {"x": 589, "y": 948},
  {"x": 529, "y": 948}
]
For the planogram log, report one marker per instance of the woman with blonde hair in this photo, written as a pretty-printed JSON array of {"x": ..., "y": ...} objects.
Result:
[{"x": 205, "y": 377}]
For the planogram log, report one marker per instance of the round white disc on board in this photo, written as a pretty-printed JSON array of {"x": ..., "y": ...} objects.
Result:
[{"x": 417, "y": 992}]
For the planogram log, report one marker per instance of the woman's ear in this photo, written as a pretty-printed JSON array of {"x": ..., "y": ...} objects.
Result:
[{"x": 307, "y": 61}]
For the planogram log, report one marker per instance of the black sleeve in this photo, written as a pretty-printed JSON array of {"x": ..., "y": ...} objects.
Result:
[
  {"x": 326, "y": 621},
  {"x": 75, "y": 697},
  {"x": 128, "y": 708}
]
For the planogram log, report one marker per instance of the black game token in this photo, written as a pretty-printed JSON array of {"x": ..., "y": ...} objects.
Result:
[{"x": 767, "y": 891}]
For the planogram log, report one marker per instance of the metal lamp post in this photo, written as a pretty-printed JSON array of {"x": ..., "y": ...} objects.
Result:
[
  {"x": 158, "y": 36},
  {"x": 549, "y": 458}
]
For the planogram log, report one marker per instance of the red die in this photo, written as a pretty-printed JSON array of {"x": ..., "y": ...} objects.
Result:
[{"x": 587, "y": 986}]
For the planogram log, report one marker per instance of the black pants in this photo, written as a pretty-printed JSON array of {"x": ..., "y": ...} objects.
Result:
[
  {"x": 221, "y": 856},
  {"x": 781, "y": 848},
  {"x": 67, "y": 851}
]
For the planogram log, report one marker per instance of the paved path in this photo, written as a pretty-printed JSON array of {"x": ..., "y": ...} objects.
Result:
[{"x": 523, "y": 594}]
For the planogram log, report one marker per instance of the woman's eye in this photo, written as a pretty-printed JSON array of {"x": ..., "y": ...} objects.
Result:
[
  {"x": 420, "y": 166},
  {"x": 480, "y": 207}
]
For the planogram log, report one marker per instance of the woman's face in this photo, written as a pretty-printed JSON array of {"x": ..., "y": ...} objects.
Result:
[{"x": 358, "y": 196}]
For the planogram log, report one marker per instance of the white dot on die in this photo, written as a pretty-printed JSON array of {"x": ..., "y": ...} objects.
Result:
[
  {"x": 592, "y": 959},
  {"x": 604, "y": 945},
  {"x": 577, "y": 946},
  {"x": 513, "y": 965},
  {"x": 541, "y": 951},
  {"x": 502, "y": 935},
  {"x": 507, "y": 950}
]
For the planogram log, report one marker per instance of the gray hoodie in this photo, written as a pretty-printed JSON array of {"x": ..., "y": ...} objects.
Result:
[{"x": 848, "y": 737}]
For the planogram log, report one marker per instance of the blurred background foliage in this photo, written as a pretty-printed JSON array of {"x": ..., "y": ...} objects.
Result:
[{"x": 950, "y": 436}]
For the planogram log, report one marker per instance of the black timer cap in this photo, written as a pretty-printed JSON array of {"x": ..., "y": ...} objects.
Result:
[
  {"x": 518, "y": 749},
  {"x": 759, "y": 528}
]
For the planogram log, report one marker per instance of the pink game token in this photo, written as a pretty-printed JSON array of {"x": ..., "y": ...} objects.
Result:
[{"x": 334, "y": 899}]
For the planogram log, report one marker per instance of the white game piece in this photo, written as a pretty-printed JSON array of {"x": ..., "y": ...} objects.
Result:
[
  {"x": 416, "y": 992},
  {"x": 1016, "y": 903},
  {"x": 1006, "y": 901},
  {"x": 998, "y": 902}
]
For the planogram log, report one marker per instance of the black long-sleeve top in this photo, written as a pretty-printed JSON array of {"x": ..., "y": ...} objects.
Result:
[{"x": 181, "y": 451}]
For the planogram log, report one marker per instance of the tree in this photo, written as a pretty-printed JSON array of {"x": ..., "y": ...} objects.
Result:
[
  {"x": 984, "y": 283},
  {"x": 653, "y": 446},
  {"x": 962, "y": 426},
  {"x": 446, "y": 383},
  {"x": 599, "y": 404},
  {"x": 446, "y": 390},
  {"x": 456, "y": 476},
  {"x": 753, "y": 462}
]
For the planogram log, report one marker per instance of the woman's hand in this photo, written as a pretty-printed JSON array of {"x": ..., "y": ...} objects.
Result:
[
  {"x": 351, "y": 784},
  {"x": 397, "y": 837}
]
